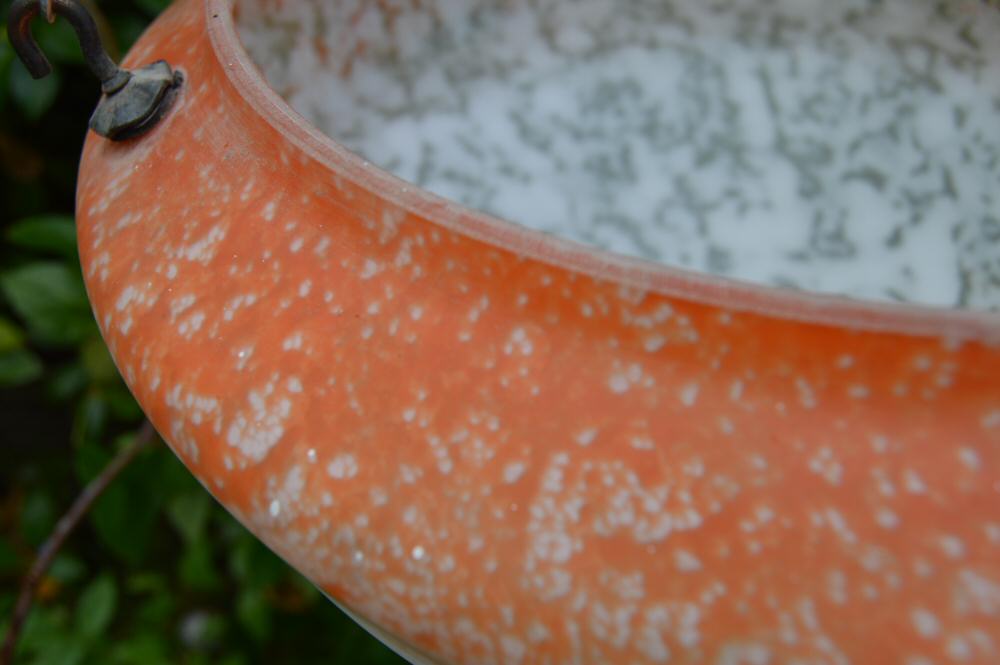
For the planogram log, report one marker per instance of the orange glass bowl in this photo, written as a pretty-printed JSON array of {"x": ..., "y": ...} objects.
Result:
[{"x": 493, "y": 446}]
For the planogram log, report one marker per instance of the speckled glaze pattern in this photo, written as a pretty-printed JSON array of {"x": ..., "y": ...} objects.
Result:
[
  {"x": 498, "y": 447},
  {"x": 848, "y": 147}
]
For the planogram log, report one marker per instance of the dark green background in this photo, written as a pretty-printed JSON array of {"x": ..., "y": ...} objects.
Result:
[{"x": 158, "y": 572}]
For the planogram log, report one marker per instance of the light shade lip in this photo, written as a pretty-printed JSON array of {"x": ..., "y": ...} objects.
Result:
[{"x": 952, "y": 324}]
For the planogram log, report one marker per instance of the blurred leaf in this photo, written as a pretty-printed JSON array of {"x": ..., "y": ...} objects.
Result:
[
  {"x": 254, "y": 613},
  {"x": 46, "y": 638},
  {"x": 126, "y": 28},
  {"x": 58, "y": 42},
  {"x": 11, "y": 336},
  {"x": 96, "y": 607},
  {"x": 141, "y": 649},
  {"x": 254, "y": 564},
  {"x": 90, "y": 419},
  {"x": 33, "y": 96},
  {"x": 306, "y": 589},
  {"x": 97, "y": 361},
  {"x": 9, "y": 561},
  {"x": 38, "y": 516},
  {"x": 90, "y": 459},
  {"x": 64, "y": 649},
  {"x": 51, "y": 299},
  {"x": 157, "y": 611},
  {"x": 123, "y": 406},
  {"x": 189, "y": 513},
  {"x": 232, "y": 659},
  {"x": 124, "y": 517},
  {"x": 67, "y": 568},
  {"x": 42, "y": 625},
  {"x": 158, "y": 605},
  {"x": 202, "y": 630},
  {"x": 67, "y": 381},
  {"x": 124, "y": 526},
  {"x": 146, "y": 583},
  {"x": 6, "y": 55},
  {"x": 19, "y": 367},
  {"x": 153, "y": 7},
  {"x": 47, "y": 233},
  {"x": 174, "y": 477},
  {"x": 197, "y": 570}
]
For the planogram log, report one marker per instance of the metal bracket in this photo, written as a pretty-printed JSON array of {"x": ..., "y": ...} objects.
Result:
[{"x": 132, "y": 101}]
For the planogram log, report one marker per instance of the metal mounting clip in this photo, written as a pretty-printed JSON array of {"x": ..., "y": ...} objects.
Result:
[{"x": 133, "y": 101}]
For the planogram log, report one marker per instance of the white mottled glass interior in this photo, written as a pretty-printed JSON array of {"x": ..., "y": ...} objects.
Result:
[{"x": 841, "y": 146}]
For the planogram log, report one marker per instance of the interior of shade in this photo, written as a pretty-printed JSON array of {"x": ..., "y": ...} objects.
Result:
[{"x": 844, "y": 147}]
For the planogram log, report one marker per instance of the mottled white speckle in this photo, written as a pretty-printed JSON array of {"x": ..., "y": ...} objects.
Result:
[
  {"x": 586, "y": 437},
  {"x": 953, "y": 547},
  {"x": 858, "y": 391},
  {"x": 322, "y": 246},
  {"x": 654, "y": 343},
  {"x": 925, "y": 623},
  {"x": 255, "y": 432},
  {"x": 274, "y": 508},
  {"x": 369, "y": 270},
  {"x": 618, "y": 383},
  {"x": 203, "y": 250},
  {"x": 513, "y": 649},
  {"x": 745, "y": 654},
  {"x": 807, "y": 397},
  {"x": 886, "y": 518},
  {"x": 243, "y": 356},
  {"x": 418, "y": 553},
  {"x": 919, "y": 660},
  {"x": 686, "y": 562},
  {"x": 970, "y": 458},
  {"x": 343, "y": 467},
  {"x": 641, "y": 442},
  {"x": 689, "y": 394},
  {"x": 192, "y": 324},
  {"x": 958, "y": 648},
  {"x": 378, "y": 496},
  {"x": 913, "y": 482},
  {"x": 519, "y": 342},
  {"x": 513, "y": 472}
]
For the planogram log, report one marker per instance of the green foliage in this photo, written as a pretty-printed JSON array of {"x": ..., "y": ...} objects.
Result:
[
  {"x": 17, "y": 367},
  {"x": 54, "y": 234},
  {"x": 50, "y": 298},
  {"x": 158, "y": 573},
  {"x": 96, "y": 607},
  {"x": 33, "y": 97}
]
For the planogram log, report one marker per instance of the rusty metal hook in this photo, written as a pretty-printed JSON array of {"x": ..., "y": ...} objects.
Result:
[{"x": 133, "y": 100}]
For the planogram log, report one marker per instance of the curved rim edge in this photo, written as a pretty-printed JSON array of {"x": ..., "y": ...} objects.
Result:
[{"x": 803, "y": 307}]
